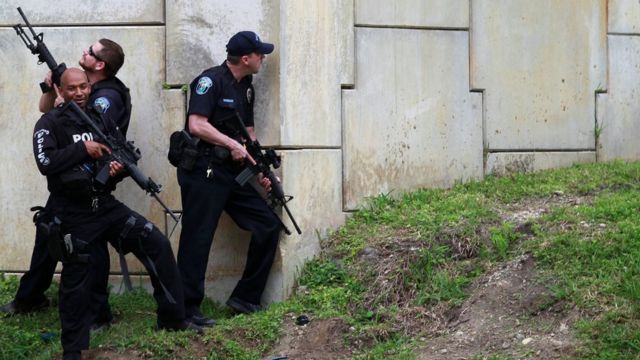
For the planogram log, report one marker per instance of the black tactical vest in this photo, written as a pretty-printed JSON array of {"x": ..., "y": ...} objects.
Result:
[{"x": 116, "y": 84}]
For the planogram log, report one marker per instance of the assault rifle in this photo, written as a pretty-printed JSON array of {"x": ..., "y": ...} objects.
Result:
[
  {"x": 122, "y": 151},
  {"x": 265, "y": 159},
  {"x": 40, "y": 49}
]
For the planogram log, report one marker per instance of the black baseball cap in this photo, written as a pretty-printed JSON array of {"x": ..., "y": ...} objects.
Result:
[{"x": 247, "y": 42}]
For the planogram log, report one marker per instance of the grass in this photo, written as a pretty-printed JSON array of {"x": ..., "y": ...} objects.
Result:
[
  {"x": 598, "y": 260},
  {"x": 419, "y": 250}
]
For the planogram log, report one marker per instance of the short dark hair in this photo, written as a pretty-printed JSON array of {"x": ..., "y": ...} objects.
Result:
[
  {"x": 234, "y": 59},
  {"x": 112, "y": 55}
]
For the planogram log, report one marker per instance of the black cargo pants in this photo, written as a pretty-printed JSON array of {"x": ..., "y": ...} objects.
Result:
[{"x": 78, "y": 277}]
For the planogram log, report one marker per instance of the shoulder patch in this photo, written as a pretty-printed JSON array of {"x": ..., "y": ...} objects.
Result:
[
  {"x": 39, "y": 139},
  {"x": 204, "y": 84},
  {"x": 102, "y": 104},
  {"x": 249, "y": 95}
]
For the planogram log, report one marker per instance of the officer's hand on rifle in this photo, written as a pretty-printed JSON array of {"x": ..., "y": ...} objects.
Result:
[
  {"x": 48, "y": 79},
  {"x": 239, "y": 152},
  {"x": 50, "y": 99},
  {"x": 96, "y": 150},
  {"x": 115, "y": 168},
  {"x": 59, "y": 100},
  {"x": 264, "y": 182}
]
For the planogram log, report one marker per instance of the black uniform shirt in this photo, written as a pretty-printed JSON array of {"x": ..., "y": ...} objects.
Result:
[
  {"x": 215, "y": 94},
  {"x": 58, "y": 143}
]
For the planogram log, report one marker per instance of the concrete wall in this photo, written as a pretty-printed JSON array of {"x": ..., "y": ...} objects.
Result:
[
  {"x": 618, "y": 119},
  {"x": 362, "y": 97},
  {"x": 410, "y": 121},
  {"x": 539, "y": 65}
]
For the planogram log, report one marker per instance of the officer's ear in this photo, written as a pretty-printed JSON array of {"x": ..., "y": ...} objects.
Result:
[{"x": 100, "y": 65}]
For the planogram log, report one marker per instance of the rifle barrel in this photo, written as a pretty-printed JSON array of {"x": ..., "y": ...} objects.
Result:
[
  {"x": 293, "y": 221},
  {"x": 26, "y": 22}
]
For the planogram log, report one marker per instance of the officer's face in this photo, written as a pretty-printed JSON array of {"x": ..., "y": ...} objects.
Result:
[
  {"x": 74, "y": 86},
  {"x": 90, "y": 56},
  {"x": 254, "y": 62}
]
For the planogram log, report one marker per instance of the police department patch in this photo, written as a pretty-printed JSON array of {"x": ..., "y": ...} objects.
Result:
[
  {"x": 39, "y": 136},
  {"x": 102, "y": 104},
  {"x": 249, "y": 95},
  {"x": 204, "y": 84}
]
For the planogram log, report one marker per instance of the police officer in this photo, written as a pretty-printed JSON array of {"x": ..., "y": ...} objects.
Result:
[
  {"x": 209, "y": 187},
  {"x": 67, "y": 153},
  {"x": 101, "y": 62}
]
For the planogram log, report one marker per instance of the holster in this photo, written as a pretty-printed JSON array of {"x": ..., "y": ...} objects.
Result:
[
  {"x": 189, "y": 157},
  {"x": 63, "y": 247},
  {"x": 40, "y": 214},
  {"x": 183, "y": 153}
]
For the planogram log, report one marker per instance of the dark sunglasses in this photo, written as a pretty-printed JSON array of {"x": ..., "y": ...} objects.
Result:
[{"x": 94, "y": 54}]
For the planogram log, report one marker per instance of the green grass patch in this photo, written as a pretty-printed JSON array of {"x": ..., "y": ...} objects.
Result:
[{"x": 419, "y": 250}]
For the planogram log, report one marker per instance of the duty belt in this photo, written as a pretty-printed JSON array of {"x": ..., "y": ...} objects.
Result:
[
  {"x": 93, "y": 202},
  {"x": 215, "y": 153}
]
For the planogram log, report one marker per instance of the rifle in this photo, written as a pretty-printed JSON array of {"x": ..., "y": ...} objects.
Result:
[
  {"x": 40, "y": 49},
  {"x": 122, "y": 151},
  {"x": 265, "y": 159},
  {"x": 126, "y": 154}
]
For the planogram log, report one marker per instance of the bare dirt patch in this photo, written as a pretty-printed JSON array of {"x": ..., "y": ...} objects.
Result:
[
  {"x": 521, "y": 212},
  {"x": 196, "y": 350},
  {"x": 318, "y": 340},
  {"x": 110, "y": 354},
  {"x": 508, "y": 313}
]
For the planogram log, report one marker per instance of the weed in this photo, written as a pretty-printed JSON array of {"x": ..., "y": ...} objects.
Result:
[{"x": 502, "y": 238}]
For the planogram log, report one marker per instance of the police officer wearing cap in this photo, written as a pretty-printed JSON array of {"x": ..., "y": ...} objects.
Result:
[{"x": 210, "y": 187}]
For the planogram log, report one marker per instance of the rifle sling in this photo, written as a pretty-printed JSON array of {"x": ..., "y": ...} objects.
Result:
[{"x": 126, "y": 278}]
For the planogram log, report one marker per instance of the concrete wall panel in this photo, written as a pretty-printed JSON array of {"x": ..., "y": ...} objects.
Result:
[
  {"x": 316, "y": 206},
  {"x": 345, "y": 34},
  {"x": 540, "y": 63},
  {"x": 413, "y": 13},
  {"x": 82, "y": 12},
  {"x": 624, "y": 16},
  {"x": 508, "y": 163},
  {"x": 619, "y": 121},
  {"x": 411, "y": 121},
  {"x": 197, "y": 33},
  {"x": 311, "y": 88}
]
